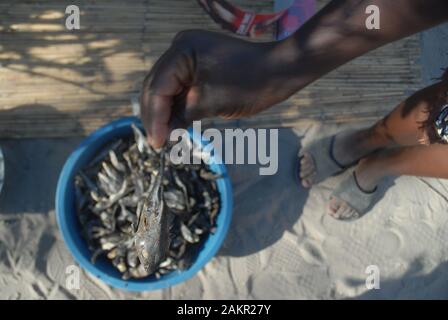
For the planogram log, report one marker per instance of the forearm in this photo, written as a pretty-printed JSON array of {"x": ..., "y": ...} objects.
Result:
[{"x": 338, "y": 34}]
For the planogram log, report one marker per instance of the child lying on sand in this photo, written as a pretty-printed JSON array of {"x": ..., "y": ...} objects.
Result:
[{"x": 411, "y": 140}]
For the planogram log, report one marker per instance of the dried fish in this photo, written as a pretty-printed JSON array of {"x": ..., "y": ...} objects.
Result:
[
  {"x": 144, "y": 214},
  {"x": 152, "y": 234},
  {"x": 188, "y": 235}
]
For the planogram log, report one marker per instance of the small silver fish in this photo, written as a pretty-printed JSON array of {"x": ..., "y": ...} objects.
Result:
[{"x": 152, "y": 234}]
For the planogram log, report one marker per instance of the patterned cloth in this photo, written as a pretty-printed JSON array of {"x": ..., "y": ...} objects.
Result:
[
  {"x": 250, "y": 24},
  {"x": 296, "y": 15}
]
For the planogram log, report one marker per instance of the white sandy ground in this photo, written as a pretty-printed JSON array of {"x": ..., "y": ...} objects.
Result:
[{"x": 281, "y": 244}]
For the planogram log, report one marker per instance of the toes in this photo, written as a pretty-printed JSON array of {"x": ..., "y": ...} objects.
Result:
[
  {"x": 305, "y": 165},
  {"x": 304, "y": 159},
  {"x": 344, "y": 212},
  {"x": 307, "y": 182},
  {"x": 334, "y": 205},
  {"x": 305, "y": 162},
  {"x": 352, "y": 214},
  {"x": 341, "y": 210},
  {"x": 307, "y": 170}
]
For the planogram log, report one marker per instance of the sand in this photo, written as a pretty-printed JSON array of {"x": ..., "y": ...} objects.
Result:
[{"x": 281, "y": 244}]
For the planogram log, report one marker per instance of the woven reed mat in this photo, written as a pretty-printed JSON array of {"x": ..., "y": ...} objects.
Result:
[{"x": 57, "y": 83}]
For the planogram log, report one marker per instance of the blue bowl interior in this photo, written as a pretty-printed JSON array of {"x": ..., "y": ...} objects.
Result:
[{"x": 70, "y": 226}]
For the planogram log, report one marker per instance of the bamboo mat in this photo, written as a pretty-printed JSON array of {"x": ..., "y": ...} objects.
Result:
[{"x": 57, "y": 83}]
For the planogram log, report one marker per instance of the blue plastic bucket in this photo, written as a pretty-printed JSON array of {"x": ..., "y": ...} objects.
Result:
[{"x": 70, "y": 227}]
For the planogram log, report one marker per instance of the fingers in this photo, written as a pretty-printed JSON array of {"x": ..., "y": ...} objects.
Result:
[
  {"x": 155, "y": 118},
  {"x": 187, "y": 108},
  {"x": 193, "y": 109},
  {"x": 164, "y": 82}
]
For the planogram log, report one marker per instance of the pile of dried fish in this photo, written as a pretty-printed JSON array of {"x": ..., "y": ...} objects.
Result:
[{"x": 145, "y": 214}]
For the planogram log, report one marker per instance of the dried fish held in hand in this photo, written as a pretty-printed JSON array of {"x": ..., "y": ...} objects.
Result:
[{"x": 152, "y": 234}]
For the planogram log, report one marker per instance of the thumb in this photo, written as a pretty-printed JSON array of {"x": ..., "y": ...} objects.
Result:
[{"x": 166, "y": 80}]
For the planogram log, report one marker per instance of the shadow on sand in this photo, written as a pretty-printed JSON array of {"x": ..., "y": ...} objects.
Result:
[
  {"x": 264, "y": 206},
  {"x": 32, "y": 169}
]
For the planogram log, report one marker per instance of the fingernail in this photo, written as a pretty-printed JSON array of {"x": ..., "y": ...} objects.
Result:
[{"x": 156, "y": 143}]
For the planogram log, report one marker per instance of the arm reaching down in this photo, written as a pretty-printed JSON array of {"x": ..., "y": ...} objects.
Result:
[{"x": 205, "y": 74}]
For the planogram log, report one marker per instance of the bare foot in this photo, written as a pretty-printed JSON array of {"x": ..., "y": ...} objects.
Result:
[
  {"x": 367, "y": 176},
  {"x": 347, "y": 148}
]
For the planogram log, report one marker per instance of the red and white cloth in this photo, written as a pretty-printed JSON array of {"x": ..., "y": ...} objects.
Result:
[{"x": 250, "y": 24}]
